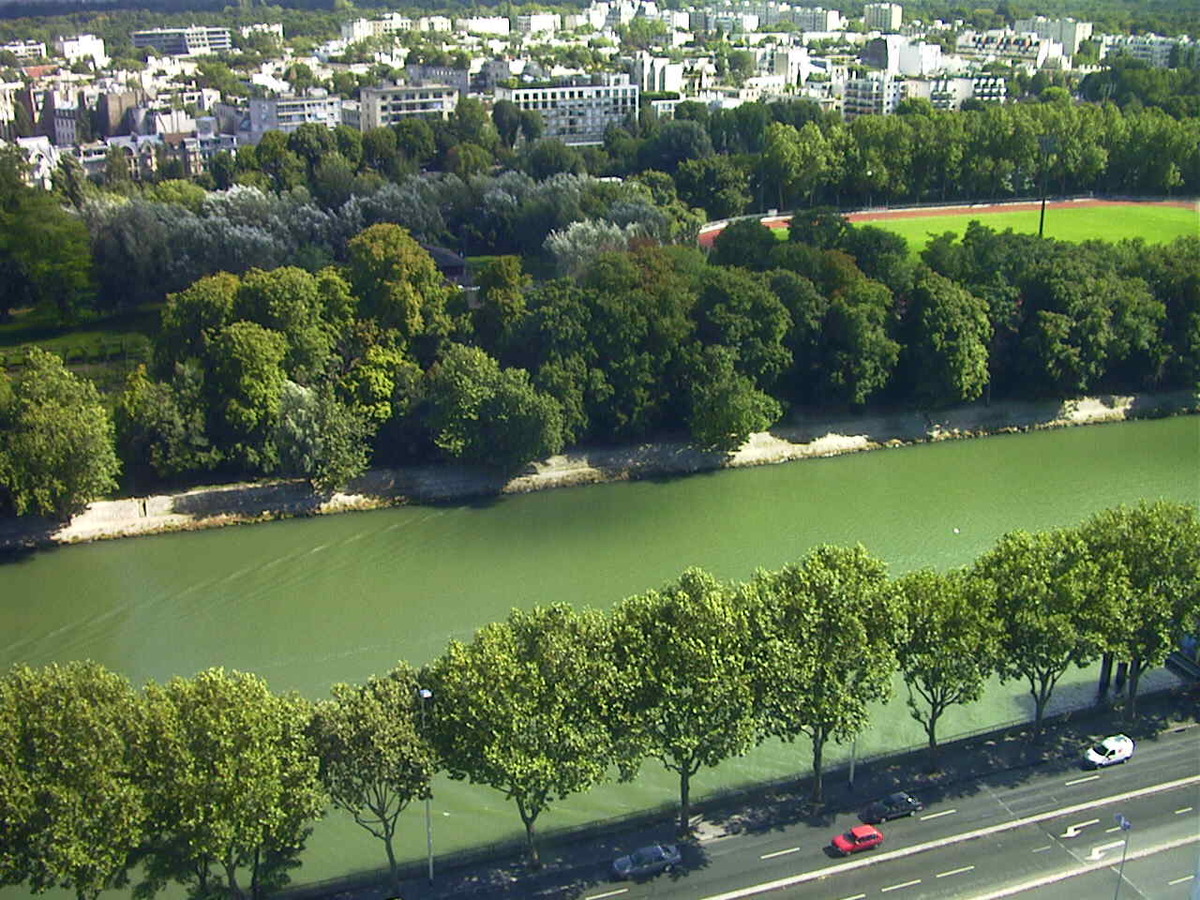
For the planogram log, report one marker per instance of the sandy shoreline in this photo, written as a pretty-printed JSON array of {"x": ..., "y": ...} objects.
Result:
[{"x": 798, "y": 438}]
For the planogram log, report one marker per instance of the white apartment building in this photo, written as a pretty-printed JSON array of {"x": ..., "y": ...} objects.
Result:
[
  {"x": 885, "y": 17},
  {"x": 434, "y": 23},
  {"x": 817, "y": 19},
  {"x": 8, "y": 108},
  {"x": 25, "y": 51},
  {"x": 195, "y": 40},
  {"x": 656, "y": 74},
  {"x": 876, "y": 95},
  {"x": 538, "y": 23},
  {"x": 286, "y": 114},
  {"x": 495, "y": 25},
  {"x": 362, "y": 29},
  {"x": 1068, "y": 32},
  {"x": 1026, "y": 48},
  {"x": 386, "y": 105},
  {"x": 82, "y": 46},
  {"x": 578, "y": 112},
  {"x": 950, "y": 92},
  {"x": 1153, "y": 49},
  {"x": 274, "y": 29}
]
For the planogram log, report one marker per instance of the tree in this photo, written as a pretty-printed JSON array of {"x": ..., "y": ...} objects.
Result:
[
  {"x": 950, "y": 335},
  {"x": 823, "y": 647},
  {"x": 819, "y": 227},
  {"x": 160, "y": 426},
  {"x": 1156, "y": 546},
  {"x": 685, "y": 689},
  {"x": 675, "y": 143},
  {"x": 73, "y": 814},
  {"x": 859, "y": 354},
  {"x": 245, "y": 389},
  {"x": 726, "y": 407},
  {"x": 232, "y": 783},
  {"x": 483, "y": 414},
  {"x": 375, "y": 760},
  {"x": 320, "y": 438},
  {"x": 549, "y": 156},
  {"x": 795, "y": 162},
  {"x": 192, "y": 317},
  {"x": 56, "y": 440},
  {"x": 737, "y": 310},
  {"x": 399, "y": 285},
  {"x": 502, "y": 285},
  {"x": 716, "y": 184},
  {"x": 746, "y": 242},
  {"x": 946, "y": 647},
  {"x": 506, "y": 116},
  {"x": 521, "y": 708},
  {"x": 1045, "y": 589}
]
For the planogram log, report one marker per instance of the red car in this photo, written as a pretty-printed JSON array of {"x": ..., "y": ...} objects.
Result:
[{"x": 861, "y": 837}]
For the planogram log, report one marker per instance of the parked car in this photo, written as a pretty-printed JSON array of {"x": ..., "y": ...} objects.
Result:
[
  {"x": 893, "y": 806},
  {"x": 860, "y": 837},
  {"x": 647, "y": 861},
  {"x": 1110, "y": 751}
]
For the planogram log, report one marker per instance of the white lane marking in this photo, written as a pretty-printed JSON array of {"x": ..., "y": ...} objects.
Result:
[
  {"x": 1081, "y": 780},
  {"x": 896, "y": 887},
  {"x": 938, "y": 815},
  {"x": 780, "y": 853},
  {"x": 1043, "y": 849},
  {"x": 1180, "y": 812},
  {"x": 609, "y": 894},
  {"x": 802, "y": 878},
  {"x": 1111, "y": 830},
  {"x": 1015, "y": 889},
  {"x": 1074, "y": 830},
  {"x": 955, "y": 872},
  {"x": 1180, "y": 880},
  {"x": 856, "y": 897},
  {"x": 1099, "y": 851}
]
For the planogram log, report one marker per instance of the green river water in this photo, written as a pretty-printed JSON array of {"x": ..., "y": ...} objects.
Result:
[{"x": 309, "y": 602}]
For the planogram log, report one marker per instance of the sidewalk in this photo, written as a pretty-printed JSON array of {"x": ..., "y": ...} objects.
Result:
[{"x": 580, "y": 860}]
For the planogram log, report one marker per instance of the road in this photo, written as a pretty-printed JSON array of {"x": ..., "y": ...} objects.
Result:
[{"x": 1046, "y": 833}]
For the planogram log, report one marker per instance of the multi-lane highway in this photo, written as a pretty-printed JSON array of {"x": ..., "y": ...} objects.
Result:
[{"x": 1050, "y": 832}]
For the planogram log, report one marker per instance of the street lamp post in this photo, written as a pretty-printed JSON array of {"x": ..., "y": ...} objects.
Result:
[
  {"x": 425, "y": 695},
  {"x": 1124, "y": 825},
  {"x": 1048, "y": 144}
]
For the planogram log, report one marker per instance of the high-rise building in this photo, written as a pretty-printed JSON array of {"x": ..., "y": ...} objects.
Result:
[
  {"x": 286, "y": 114},
  {"x": 578, "y": 111},
  {"x": 1067, "y": 32},
  {"x": 885, "y": 17},
  {"x": 388, "y": 104}
]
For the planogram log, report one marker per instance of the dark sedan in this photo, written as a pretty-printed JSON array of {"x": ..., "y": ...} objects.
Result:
[
  {"x": 893, "y": 806},
  {"x": 647, "y": 861}
]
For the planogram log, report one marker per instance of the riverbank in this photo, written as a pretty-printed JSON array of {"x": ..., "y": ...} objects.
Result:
[{"x": 800, "y": 437}]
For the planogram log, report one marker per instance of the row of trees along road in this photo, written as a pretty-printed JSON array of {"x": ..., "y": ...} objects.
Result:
[
  {"x": 213, "y": 781},
  {"x": 378, "y": 361}
]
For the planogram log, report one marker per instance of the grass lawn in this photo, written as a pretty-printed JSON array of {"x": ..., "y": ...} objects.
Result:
[{"x": 1153, "y": 224}]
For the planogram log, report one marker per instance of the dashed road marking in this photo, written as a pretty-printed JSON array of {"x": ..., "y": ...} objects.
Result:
[
  {"x": 955, "y": 872},
  {"x": 896, "y": 887},
  {"x": 856, "y": 897},
  {"x": 938, "y": 815},
  {"x": 1180, "y": 880},
  {"x": 1081, "y": 780},
  {"x": 1043, "y": 849},
  {"x": 780, "y": 853},
  {"x": 609, "y": 894},
  {"x": 1180, "y": 812}
]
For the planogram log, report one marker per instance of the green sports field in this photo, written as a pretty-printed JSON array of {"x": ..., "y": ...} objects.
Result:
[{"x": 1153, "y": 224}]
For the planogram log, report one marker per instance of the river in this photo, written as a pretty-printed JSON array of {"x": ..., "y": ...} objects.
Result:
[{"x": 309, "y": 602}]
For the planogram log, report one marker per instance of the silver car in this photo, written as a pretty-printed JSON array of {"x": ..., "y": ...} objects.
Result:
[{"x": 647, "y": 861}]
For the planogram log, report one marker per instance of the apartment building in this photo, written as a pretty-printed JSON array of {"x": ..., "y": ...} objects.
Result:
[
  {"x": 876, "y": 95},
  {"x": 286, "y": 114},
  {"x": 578, "y": 112},
  {"x": 538, "y": 23},
  {"x": 82, "y": 46},
  {"x": 1152, "y": 49},
  {"x": 656, "y": 74},
  {"x": 195, "y": 40},
  {"x": 25, "y": 51},
  {"x": 362, "y": 29},
  {"x": 885, "y": 17},
  {"x": 492, "y": 25},
  {"x": 1008, "y": 46},
  {"x": 388, "y": 104},
  {"x": 1068, "y": 32}
]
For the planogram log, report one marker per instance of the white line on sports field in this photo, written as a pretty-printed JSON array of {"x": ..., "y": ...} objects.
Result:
[
  {"x": 1081, "y": 780},
  {"x": 1180, "y": 880},
  {"x": 793, "y": 880},
  {"x": 938, "y": 815},
  {"x": 780, "y": 853},
  {"x": 896, "y": 887},
  {"x": 609, "y": 894},
  {"x": 955, "y": 872}
]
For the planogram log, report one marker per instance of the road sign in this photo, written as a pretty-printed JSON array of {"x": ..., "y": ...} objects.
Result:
[{"x": 1123, "y": 822}]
